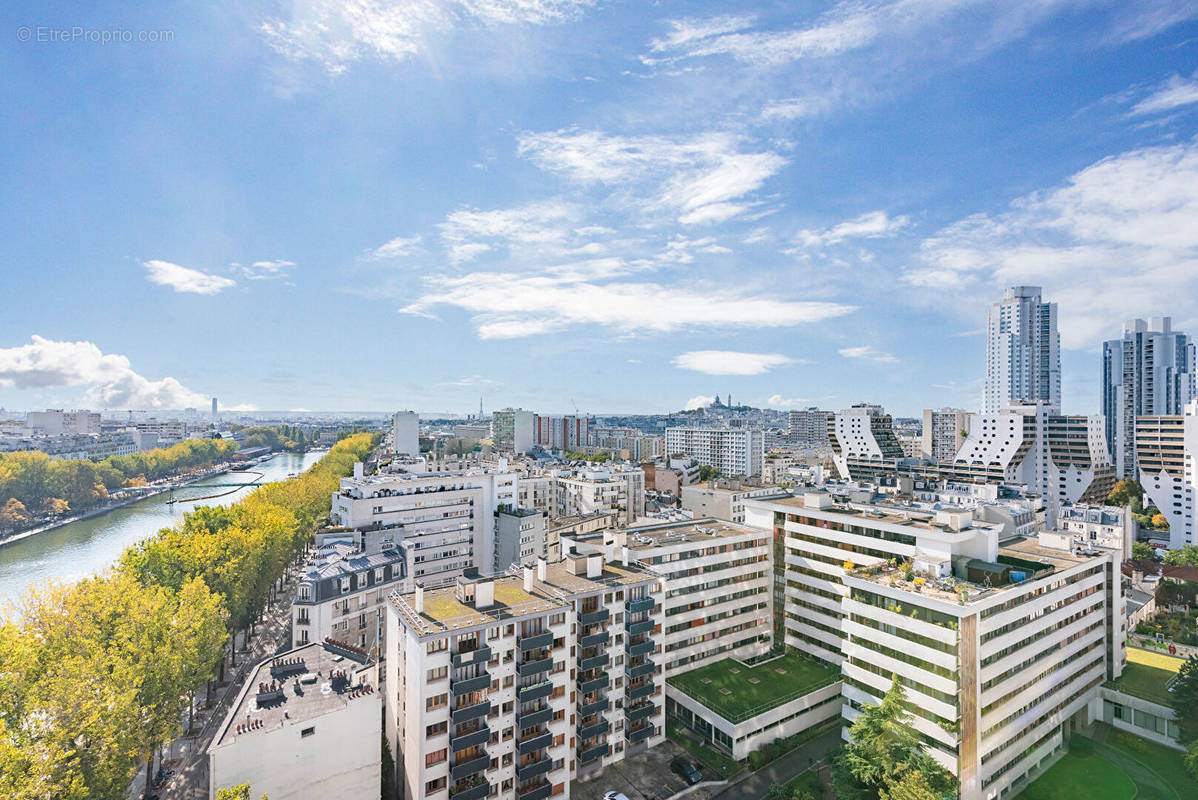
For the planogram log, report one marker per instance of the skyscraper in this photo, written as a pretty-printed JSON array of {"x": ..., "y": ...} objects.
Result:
[
  {"x": 1023, "y": 352},
  {"x": 214, "y": 410},
  {"x": 1149, "y": 372}
]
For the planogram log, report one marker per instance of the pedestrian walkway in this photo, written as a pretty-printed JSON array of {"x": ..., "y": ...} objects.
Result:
[{"x": 786, "y": 768}]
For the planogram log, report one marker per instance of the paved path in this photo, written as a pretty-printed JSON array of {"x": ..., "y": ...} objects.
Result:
[{"x": 784, "y": 769}]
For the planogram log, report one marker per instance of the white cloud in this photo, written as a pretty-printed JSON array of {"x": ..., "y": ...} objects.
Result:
[
  {"x": 512, "y": 305},
  {"x": 468, "y": 233},
  {"x": 868, "y": 353},
  {"x": 336, "y": 34},
  {"x": 183, "y": 279},
  {"x": 703, "y": 178},
  {"x": 871, "y": 225},
  {"x": 395, "y": 248},
  {"x": 1118, "y": 239},
  {"x": 1173, "y": 93},
  {"x": 265, "y": 270},
  {"x": 778, "y": 401},
  {"x": 798, "y": 107},
  {"x": 730, "y": 362},
  {"x": 109, "y": 378},
  {"x": 697, "y": 402}
]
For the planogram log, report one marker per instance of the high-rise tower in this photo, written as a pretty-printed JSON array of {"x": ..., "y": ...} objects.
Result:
[{"x": 1023, "y": 352}]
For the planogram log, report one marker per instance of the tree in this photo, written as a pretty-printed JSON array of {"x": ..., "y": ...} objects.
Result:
[
  {"x": 913, "y": 785},
  {"x": 1191, "y": 761},
  {"x": 13, "y": 514},
  {"x": 239, "y": 792},
  {"x": 1185, "y": 557},
  {"x": 1127, "y": 492},
  {"x": 1159, "y": 522},
  {"x": 1183, "y": 697},
  {"x": 56, "y": 506},
  {"x": 1142, "y": 551}
]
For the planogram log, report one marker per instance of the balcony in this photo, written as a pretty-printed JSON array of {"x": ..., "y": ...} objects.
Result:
[
  {"x": 594, "y": 617},
  {"x": 468, "y": 685},
  {"x": 535, "y": 667},
  {"x": 538, "y": 792},
  {"x": 533, "y": 642},
  {"x": 537, "y": 717},
  {"x": 594, "y": 684},
  {"x": 526, "y": 772},
  {"x": 594, "y": 729},
  {"x": 587, "y": 709},
  {"x": 464, "y": 741},
  {"x": 640, "y": 712},
  {"x": 467, "y": 713},
  {"x": 637, "y": 606},
  {"x": 594, "y": 662},
  {"x": 635, "y": 628},
  {"x": 594, "y": 639},
  {"x": 641, "y": 648},
  {"x": 471, "y": 767},
  {"x": 641, "y": 691},
  {"x": 478, "y": 656},
  {"x": 535, "y": 692},
  {"x": 476, "y": 792},
  {"x": 535, "y": 743},
  {"x": 592, "y": 753},
  {"x": 640, "y": 669},
  {"x": 638, "y": 734}
]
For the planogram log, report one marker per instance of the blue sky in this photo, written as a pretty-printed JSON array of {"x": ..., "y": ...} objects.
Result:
[{"x": 622, "y": 205}]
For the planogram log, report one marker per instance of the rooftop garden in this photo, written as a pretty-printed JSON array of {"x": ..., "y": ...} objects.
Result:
[
  {"x": 1147, "y": 675},
  {"x": 737, "y": 692}
]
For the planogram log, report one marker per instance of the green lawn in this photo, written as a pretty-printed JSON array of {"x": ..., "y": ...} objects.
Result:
[
  {"x": 737, "y": 692},
  {"x": 1081, "y": 778},
  {"x": 1164, "y": 761},
  {"x": 1143, "y": 681}
]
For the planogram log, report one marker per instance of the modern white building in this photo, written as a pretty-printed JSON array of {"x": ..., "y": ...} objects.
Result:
[
  {"x": 618, "y": 488},
  {"x": 808, "y": 427},
  {"x": 863, "y": 441},
  {"x": 307, "y": 723},
  {"x": 55, "y": 421},
  {"x": 517, "y": 685},
  {"x": 1092, "y": 525},
  {"x": 405, "y": 433},
  {"x": 513, "y": 430},
  {"x": 1023, "y": 352},
  {"x": 943, "y": 433},
  {"x": 1002, "y": 649},
  {"x": 723, "y": 499},
  {"x": 1148, "y": 372},
  {"x": 733, "y": 451},
  {"x": 1166, "y": 453},
  {"x": 444, "y": 522}
]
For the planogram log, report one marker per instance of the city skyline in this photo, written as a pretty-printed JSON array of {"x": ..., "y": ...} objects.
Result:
[{"x": 705, "y": 203}]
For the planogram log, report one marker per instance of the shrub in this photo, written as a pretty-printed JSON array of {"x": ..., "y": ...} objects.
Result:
[{"x": 756, "y": 760}]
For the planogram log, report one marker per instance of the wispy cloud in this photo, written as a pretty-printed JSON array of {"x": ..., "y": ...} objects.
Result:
[
  {"x": 1173, "y": 93},
  {"x": 1114, "y": 241},
  {"x": 184, "y": 279},
  {"x": 395, "y": 248},
  {"x": 872, "y": 225},
  {"x": 778, "y": 401},
  {"x": 109, "y": 378},
  {"x": 730, "y": 362},
  {"x": 265, "y": 270},
  {"x": 468, "y": 233},
  {"x": 868, "y": 353}
]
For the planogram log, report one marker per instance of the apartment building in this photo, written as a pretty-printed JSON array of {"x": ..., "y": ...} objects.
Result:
[
  {"x": 520, "y": 536},
  {"x": 619, "y": 489},
  {"x": 405, "y": 433},
  {"x": 443, "y": 522},
  {"x": 1001, "y": 648},
  {"x": 1093, "y": 525},
  {"x": 306, "y": 724},
  {"x": 1023, "y": 352},
  {"x": 732, "y": 451},
  {"x": 723, "y": 499},
  {"x": 863, "y": 441},
  {"x": 514, "y": 686},
  {"x": 717, "y": 597},
  {"x": 561, "y": 433},
  {"x": 808, "y": 428},
  {"x": 55, "y": 421},
  {"x": 513, "y": 430},
  {"x": 944, "y": 431},
  {"x": 1166, "y": 449}
]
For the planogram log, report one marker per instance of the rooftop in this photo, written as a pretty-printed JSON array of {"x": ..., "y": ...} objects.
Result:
[
  {"x": 737, "y": 692},
  {"x": 444, "y": 612},
  {"x": 894, "y": 513},
  {"x": 1147, "y": 675},
  {"x": 297, "y": 686},
  {"x": 700, "y": 530}
]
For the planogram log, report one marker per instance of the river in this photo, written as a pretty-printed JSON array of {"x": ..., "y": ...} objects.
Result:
[{"x": 81, "y": 548}]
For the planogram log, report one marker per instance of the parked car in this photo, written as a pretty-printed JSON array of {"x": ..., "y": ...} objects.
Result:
[
  {"x": 615, "y": 796},
  {"x": 688, "y": 771}
]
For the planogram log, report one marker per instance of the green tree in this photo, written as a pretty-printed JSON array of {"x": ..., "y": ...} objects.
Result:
[
  {"x": 1185, "y": 557},
  {"x": 1183, "y": 696},
  {"x": 1127, "y": 492},
  {"x": 913, "y": 785},
  {"x": 239, "y": 792},
  {"x": 1142, "y": 551},
  {"x": 13, "y": 514},
  {"x": 1191, "y": 761}
]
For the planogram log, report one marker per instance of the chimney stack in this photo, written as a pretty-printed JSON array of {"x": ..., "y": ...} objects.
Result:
[
  {"x": 359, "y": 469},
  {"x": 419, "y": 597},
  {"x": 542, "y": 568},
  {"x": 529, "y": 579}
]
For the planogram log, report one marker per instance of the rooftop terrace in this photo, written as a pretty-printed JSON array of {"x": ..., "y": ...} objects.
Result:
[
  {"x": 738, "y": 692},
  {"x": 700, "y": 530}
]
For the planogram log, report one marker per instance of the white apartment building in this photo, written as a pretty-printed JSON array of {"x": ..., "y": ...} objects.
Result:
[
  {"x": 717, "y": 578},
  {"x": 733, "y": 451},
  {"x": 405, "y": 433},
  {"x": 863, "y": 441},
  {"x": 514, "y": 686},
  {"x": 944, "y": 431},
  {"x": 513, "y": 430},
  {"x": 444, "y": 522},
  {"x": 306, "y": 724},
  {"x": 1166, "y": 452},
  {"x": 55, "y": 421},
  {"x": 520, "y": 536},
  {"x": 808, "y": 428},
  {"x": 723, "y": 499},
  {"x": 1002, "y": 649},
  {"x": 1148, "y": 372},
  {"x": 618, "y": 488},
  {"x": 1023, "y": 352},
  {"x": 1092, "y": 525}
]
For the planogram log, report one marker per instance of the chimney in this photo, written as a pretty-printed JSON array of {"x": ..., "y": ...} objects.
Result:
[
  {"x": 359, "y": 469},
  {"x": 529, "y": 578},
  {"x": 542, "y": 568},
  {"x": 419, "y": 597},
  {"x": 624, "y": 555}
]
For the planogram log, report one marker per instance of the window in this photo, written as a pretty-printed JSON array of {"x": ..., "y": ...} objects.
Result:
[
  {"x": 436, "y": 729},
  {"x": 435, "y": 757},
  {"x": 438, "y": 674},
  {"x": 438, "y": 646},
  {"x": 435, "y": 785},
  {"x": 436, "y": 701},
  {"x": 306, "y": 732}
]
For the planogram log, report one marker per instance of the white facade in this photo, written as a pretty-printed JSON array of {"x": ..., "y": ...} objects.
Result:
[
  {"x": 513, "y": 430},
  {"x": 808, "y": 427},
  {"x": 618, "y": 489},
  {"x": 862, "y": 435},
  {"x": 722, "y": 502},
  {"x": 1149, "y": 372},
  {"x": 733, "y": 451},
  {"x": 516, "y": 686},
  {"x": 1023, "y": 352},
  {"x": 1167, "y": 451},
  {"x": 444, "y": 521},
  {"x": 55, "y": 421},
  {"x": 944, "y": 432},
  {"x": 1108, "y": 527},
  {"x": 405, "y": 433}
]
